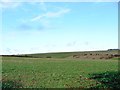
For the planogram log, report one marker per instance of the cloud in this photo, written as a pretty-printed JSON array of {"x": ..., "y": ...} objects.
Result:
[
  {"x": 51, "y": 14},
  {"x": 71, "y": 44},
  {"x": 101, "y": 0},
  {"x": 13, "y": 3},
  {"x": 45, "y": 18},
  {"x": 61, "y": 0},
  {"x": 43, "y": 6},
  {"x": 86, "y": 43},
  {"x": 26, "y": 26},
  {"x": 9, "y": 4},
  {"x": 105, "y": 0}
]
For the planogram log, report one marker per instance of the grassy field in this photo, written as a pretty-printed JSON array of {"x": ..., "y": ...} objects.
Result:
[{"x": 22, "y": 72}]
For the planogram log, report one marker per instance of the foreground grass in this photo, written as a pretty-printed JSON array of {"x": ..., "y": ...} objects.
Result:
[{"x": 58, "y": 73}]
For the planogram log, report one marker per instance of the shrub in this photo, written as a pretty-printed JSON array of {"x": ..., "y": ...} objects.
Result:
[{"x": 48, "y": 57}]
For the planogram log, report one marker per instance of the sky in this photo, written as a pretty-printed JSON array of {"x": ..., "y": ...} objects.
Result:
[{"x": 41, "y": 27}]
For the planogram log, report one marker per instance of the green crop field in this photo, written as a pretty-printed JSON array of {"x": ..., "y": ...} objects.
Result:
[{"x": 26, "y": 72}]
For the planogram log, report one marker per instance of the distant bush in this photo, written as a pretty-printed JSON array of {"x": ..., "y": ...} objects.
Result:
[
  {"x": 101, "y": 57},
  {"x": 48, "y": 57}
]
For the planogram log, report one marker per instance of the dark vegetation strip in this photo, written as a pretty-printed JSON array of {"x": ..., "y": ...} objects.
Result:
[{"x": 19, "y": 56}]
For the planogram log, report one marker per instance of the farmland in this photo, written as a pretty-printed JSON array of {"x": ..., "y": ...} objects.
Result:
[{"x": 59, "y": 70}]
